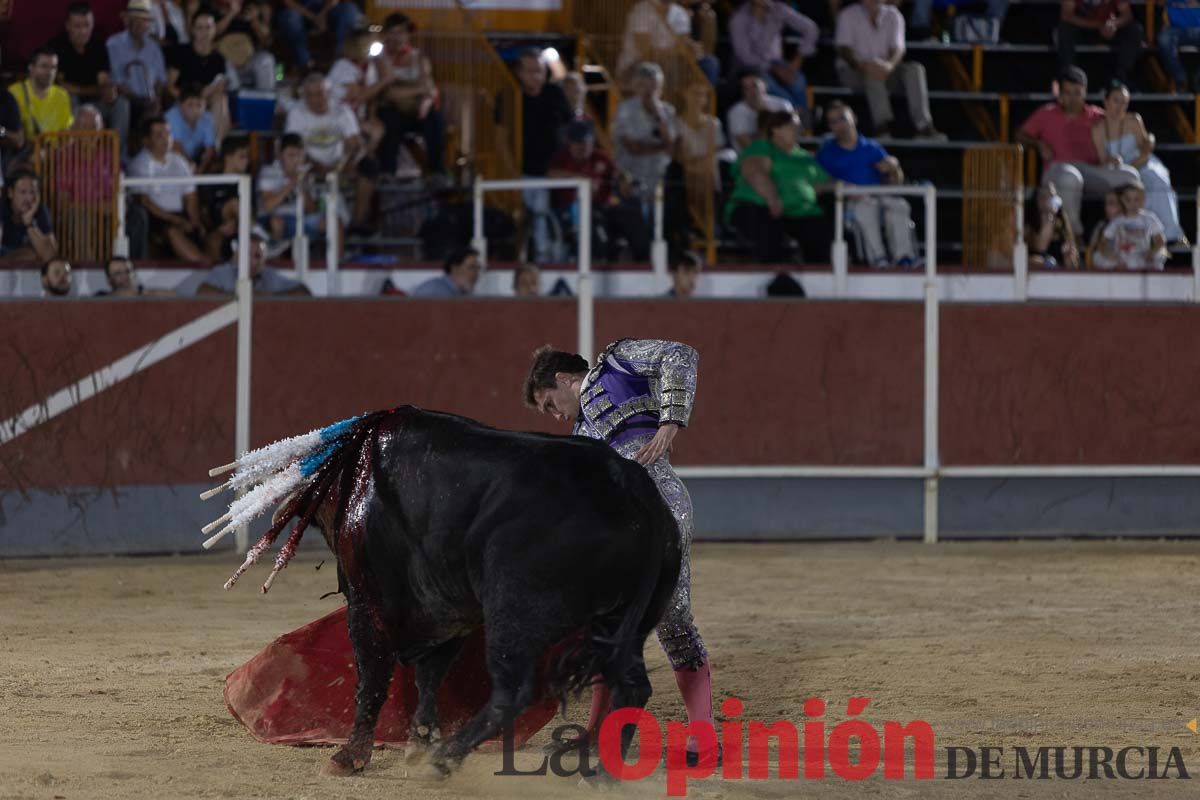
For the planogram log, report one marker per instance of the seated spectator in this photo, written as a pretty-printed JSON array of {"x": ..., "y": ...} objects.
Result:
[
  {"x": 222, "y": 279},
  {"x": 295, "y": 18},
  {"x": 45, "y": 108},
  {"x": 192, "y": 129},
  {"x": 88, "y": 118},
  {"x": 756, "y": 33},
  {"x": 280, "y": 183},
  {"x": 742, "y": 119},
  {"x": 685, "y": 274},
  {"x": 870, "y": 45},
  {"x": 653, "y": 31},
  {"x": 13, "y": 144},
  {"x": 27, "y": 230},
  {"x": 527, "y": 281},
  {"x": 1182, "y": 28},
  {"x": 544, "y": 113},
  {"x": 138, "y": 66},
  {"x": 173, "y": 210},
  {"x": 219, "y": 201},
  {"x": 701, "y": 138},
  {"x": 613, "y": 217},
  {"x": 922, "y": 13},
  {"x": 1120, "y": 137},
  {"x": 1102, "y": 21},
  {"x": 852, "y": 158},
  {"x": 785, "y": 79},
  {"x": 461, "y": 274},
  {"x": 333, "y": 142},
  {"x": 123, "y": 282},
  {"x": 1048, "y": 235},
  {"x": 776, "y": 194},
  {"x": 198, "y": 64},
  {"x": 1062, "y": 133},
  {"x": 170, "y": 23},
  {"x": 402, "y": 81},
  {"x": 83, "y": 70},
  {"x": 1112, "y": 210},
  {"x": 645, "y": 131},
  {"x": 1135, "y": 239},
  {"x": 244, "y": 38},
  {"x": 56, "y": 277}
]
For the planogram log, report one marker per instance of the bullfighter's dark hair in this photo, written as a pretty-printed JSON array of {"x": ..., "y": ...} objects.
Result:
[{"x": 548, "y": 362}]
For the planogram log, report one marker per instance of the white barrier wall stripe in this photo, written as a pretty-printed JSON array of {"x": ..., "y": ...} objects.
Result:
[{"x": 125, "y": 367}]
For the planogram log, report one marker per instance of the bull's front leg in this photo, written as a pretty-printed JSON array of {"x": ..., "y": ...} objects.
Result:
[
  {"x": 375, "y": 664},
  {"x": 424, "y": 732}
]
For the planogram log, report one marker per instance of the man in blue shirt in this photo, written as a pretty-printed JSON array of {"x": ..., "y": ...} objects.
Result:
[
  {"x": 852, "y": 158},
  {"x": 136, "y": 60},
  {"x": 461, "y": 275},
  {"x": 1184, "y": 28}
]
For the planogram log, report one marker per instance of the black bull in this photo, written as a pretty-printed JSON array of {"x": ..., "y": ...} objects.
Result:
[{"x": 441, "y": 525}]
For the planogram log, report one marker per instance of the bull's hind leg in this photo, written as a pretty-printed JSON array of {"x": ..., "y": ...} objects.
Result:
[
  {"x": 630, "y": 689},
  {"x": 431, "y": 670},
  {"x": 375, "y": 664}
]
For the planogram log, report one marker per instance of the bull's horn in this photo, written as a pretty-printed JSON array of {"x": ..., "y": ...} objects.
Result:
[
  {"x": 215, "y": 471},
  {"x": 216, "y": 523}
]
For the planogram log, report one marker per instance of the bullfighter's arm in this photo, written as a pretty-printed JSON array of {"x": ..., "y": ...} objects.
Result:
[{"x": 672, "y": 365}]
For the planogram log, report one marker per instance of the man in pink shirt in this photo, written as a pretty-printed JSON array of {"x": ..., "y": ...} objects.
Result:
[
  {"x": 870, "y": 46},
  {"x": 1062, "y": 134}
]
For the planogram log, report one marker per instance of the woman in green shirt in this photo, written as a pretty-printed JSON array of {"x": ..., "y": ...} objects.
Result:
[{"x": 776, "y": 193}]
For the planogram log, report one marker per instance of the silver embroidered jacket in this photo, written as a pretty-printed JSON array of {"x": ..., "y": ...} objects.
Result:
[{"x": 637, "y": 384}]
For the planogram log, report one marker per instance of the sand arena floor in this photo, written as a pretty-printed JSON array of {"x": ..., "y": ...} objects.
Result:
[{"x": 111, "y": 671}]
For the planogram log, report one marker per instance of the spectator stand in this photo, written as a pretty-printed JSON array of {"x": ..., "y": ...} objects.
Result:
[{"x": 600, "y": 29}]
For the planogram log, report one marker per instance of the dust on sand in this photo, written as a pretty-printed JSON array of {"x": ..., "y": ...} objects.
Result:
[{"x": 111, "y": 671}]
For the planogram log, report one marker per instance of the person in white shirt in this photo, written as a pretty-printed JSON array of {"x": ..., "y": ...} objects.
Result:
[
  {"x": 742, "y": 119},
  {"x": 173, "y": 210},
  {"x": 1136, "y": 239},
  {"x": 333, "y": 142},
  {"x": 645, "y": 131},
  {"x": 870, "y": 46},
  {"x": 653, "y": 30}
]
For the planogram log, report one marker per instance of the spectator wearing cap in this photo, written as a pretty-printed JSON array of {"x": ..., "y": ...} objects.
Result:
[
  {"x": 645, "y": 132},
  {"x": 870, "y": 45},
  {"x": 459, "y": 275},
  {"x": 613, "y": 217},
  {"x": 27, "y": 230},
  {"x": 545, "y": 112},
  {"x": 192, "y": 129},
  {"x": 56, "y": 277},
  {"x": 742, "y": 119},
  {"x": 222, "y": 279},
  {"x": 84, "y": 71},
  {"x": 401, "y": 82},
  {"x": 685, "y": 274},
  {"x": 1061, "y": 132},
  {"x": 1182, "y": 28},
  {"x": 295, "y": 18},
  {"x": 1110, "y": 21},
  {"x": 853, "y": 158},
  {"x": 786, "y": 80},
  {"x": 45, "y": 107},
  {"x": 173, "y": 209},
  {"x": 198, "y": 65},
  {"x": 137, "y": 62},
  {"x": 756, "y": 33}
]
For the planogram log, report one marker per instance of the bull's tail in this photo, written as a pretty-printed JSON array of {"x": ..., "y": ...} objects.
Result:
[
  {"x": 304, "y": 469},
  {"x": 612, "y": 641}
]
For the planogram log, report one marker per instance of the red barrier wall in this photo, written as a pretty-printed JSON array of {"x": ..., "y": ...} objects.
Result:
[{"x": 780, "y": 381}]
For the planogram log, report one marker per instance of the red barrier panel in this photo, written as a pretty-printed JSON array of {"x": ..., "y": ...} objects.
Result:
[{"x": 781, "y": 382}]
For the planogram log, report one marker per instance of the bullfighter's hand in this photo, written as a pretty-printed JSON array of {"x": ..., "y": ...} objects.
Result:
[{"x": 656, "y": 447}]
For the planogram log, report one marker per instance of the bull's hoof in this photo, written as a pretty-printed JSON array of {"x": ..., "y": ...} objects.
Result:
[
  {"x": 336, "y": 769},
  {"x": 429, "y": 772},
  {"x": 345, "y": 762}
]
